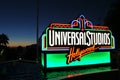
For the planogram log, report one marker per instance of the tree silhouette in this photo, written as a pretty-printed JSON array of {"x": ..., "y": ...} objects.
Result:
[
  {"x": 112, "y": 20},
  {"x": 3, "y": 46},
  {"x": 4, "y": 39}
]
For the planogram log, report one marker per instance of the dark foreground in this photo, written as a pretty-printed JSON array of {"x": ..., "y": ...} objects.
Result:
[{"x": 25, "y": 70}]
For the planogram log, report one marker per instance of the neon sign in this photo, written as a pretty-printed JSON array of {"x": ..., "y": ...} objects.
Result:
[
  {"x": 79, "y": 38},
  {"x": 78, "y": 54},
  {"x": 66, "y": 38}
]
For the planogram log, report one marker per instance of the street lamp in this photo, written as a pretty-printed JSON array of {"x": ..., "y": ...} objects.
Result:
[{"x": 37, "y": 30}]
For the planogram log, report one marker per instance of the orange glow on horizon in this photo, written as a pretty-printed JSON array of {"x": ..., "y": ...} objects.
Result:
[{"x": 16, "y": 44}]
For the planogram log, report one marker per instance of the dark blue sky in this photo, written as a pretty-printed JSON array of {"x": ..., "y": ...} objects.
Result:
[
  {"x": 18, "y": 17},
  {"x": 18, "y": 20}
]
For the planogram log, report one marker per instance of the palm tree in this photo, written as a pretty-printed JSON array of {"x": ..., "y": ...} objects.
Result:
[
  {"x": 3, "y": 46},
  {"x": 4, "y": 39}
]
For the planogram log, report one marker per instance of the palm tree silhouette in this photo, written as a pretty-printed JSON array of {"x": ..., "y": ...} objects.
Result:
[
  {"x": 4, "y": 39},
  {"x": 3, "y": 45}
]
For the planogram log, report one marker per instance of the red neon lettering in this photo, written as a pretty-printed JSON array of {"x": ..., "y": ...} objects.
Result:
[{"x": 72, "y": 56}]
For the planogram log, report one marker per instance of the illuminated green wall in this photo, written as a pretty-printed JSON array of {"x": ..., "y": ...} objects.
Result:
[
  {"x": 43, "y": 59},
  {"x": 59, "y": 59}
]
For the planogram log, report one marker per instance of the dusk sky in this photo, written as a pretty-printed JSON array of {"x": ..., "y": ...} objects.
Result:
[{"x": 18, "y": 17}]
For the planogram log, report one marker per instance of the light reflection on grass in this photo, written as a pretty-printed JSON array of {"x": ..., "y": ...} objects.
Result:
[{"x": 61, "y": 74}]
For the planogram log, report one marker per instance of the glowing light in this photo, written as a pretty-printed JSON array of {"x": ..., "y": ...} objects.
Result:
[
  {"x": 81, "y": 38},
  {"x": 72, "y": 56},
  {"x": 72, "y": 24},
  {"x": 90, "y": 59}
]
